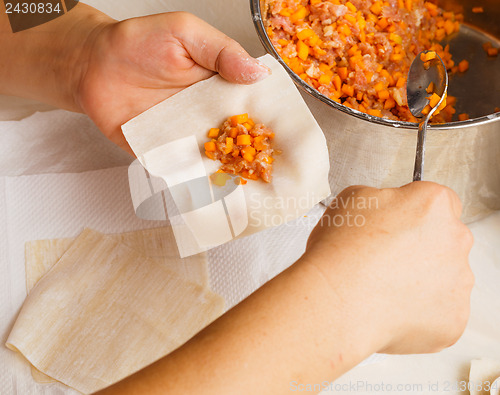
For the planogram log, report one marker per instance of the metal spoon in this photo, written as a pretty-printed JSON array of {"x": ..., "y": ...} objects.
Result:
[{"x": 419, "y": 79}]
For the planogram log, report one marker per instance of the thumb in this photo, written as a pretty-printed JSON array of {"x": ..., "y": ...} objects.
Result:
[
  {"x": 215, "y": 51},
  {"x": 235, "y": 65}
]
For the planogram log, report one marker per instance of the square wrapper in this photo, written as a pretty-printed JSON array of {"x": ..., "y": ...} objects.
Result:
[{"x": 300, "y": 172}]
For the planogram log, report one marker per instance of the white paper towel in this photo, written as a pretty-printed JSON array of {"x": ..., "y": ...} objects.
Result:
[
  {"x": 60, "y": 205},
  {"x": 61, "y": 127}
]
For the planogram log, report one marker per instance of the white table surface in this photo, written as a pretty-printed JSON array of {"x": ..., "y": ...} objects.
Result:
[{"x": 419, "y": 374}]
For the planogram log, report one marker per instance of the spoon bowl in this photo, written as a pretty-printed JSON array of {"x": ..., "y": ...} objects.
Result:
[{"x": 423, "y": 75}]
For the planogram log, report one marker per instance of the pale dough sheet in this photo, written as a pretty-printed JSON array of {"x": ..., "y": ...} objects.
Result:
[
  {"x": 156, "y": 243},
  {"x": 300, "y": 173},
  {"x": 483, "y": 373},
  {"x": 104, "y": 311}
]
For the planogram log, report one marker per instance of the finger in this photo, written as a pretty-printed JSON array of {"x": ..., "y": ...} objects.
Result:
[{"x": 215, "y": 51}]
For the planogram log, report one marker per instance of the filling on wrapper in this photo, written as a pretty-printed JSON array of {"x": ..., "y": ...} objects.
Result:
[
  {"x": 169, "y": 138},
  {"x": 358, "y": 52},
  {"x": 243, "y": 147}
]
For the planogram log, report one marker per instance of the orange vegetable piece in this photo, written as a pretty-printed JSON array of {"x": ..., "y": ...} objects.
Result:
[
  {"x": 434, "y": 100},
  {"x": 229, "y": 145},
  {"x": 244, "y": 139},
  {"x": 305, "y": 34},
  {"x": 348, "y": 90},
  {"x": 374, "y": 112},
  {"x": 351, "y": 6},
  {"x": 210, "y": 146},
  {"x": 342, "y": 72},
  {"x": 302, "y": 50},
  {"x": 238, "y": 119},
  {"x": 213, "y": 133},
  {"x": 430, "y": 88},
  {"x": 233, "y": 132},
  {"x": 425, "y": 57},
  {"x": 463, "y": 66}
]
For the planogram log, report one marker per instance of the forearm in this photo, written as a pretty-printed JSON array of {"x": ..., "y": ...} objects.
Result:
[
  {"x": 47, "y": 62},
  {"x": 294, "y": 330}
]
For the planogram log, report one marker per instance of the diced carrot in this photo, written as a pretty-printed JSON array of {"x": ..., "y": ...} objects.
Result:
[
  {"x": 382, "y": 23},
  {"x": 477, "y": 10},
  {"x": 396, "y": 57},
  {"x": 248, "y": 151},
  {"x": 302, "y": 50},
  {"x": 248, "y": 157},
  {"x": 324, "y": 79},
  {"x": 337, "y": 82},
  {"x": 300, "y": 14},
  {"x": 350, "y": 18},
  {"x": 374, "y": 112},
  {"x": 430, "y": 88},
  {"x": 213, "y": 133},
  {"x": 210, "y": 155},
  {"x": 376, "y": 8},
  {"x": 345, "y": 30},
  {"x": 492, "y": 51},
  {"x": 401, "y": 82},
  {"x": 342, "y": 72},
  {"x": 432, "y": 8},
  {"x": 229, "y": 145},
  {"x": 351, "y": 6},
  {"x": 379, "y": 86},
  {"x": 434, "y": 99},
  {"x": 247, "y": 126},
  {"x": 426, "y": 56},
  {"x": 244, "y": 139},
  {"x": 348, "y": 90},
  {"x": 258, "y": 143},
  {"x": 238, "y": 119},
  {"x": 426, "y": 110},
  {"x": 210, "y": 146},
  {"x": 463, "y": 66},
  {"x": 463, "y": 117},
  {"x": 383, "y": 94},
  {"x": 325, "y": 68},
  {"x": 283, "y": 42},
  {"x": 389, "y": 103},
  {"x": 305, "y": 33},
  {"x": 233, "y": 132}
]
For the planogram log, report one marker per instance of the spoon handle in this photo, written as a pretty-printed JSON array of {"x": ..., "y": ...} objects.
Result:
[{"x": 418, "y": 170}]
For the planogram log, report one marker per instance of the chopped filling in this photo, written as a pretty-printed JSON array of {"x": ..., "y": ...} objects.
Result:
[
  {"x": 359, "y": 52},
  {"x": 243, "y": 147}
]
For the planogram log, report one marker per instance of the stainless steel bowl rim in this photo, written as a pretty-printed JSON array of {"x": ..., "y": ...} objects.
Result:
[{"x": 266, "y": 42}]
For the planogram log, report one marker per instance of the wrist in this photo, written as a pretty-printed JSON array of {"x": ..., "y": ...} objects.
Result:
[
  {"x": 362, "y": 324},
  {"x": 78, "y": 35}
]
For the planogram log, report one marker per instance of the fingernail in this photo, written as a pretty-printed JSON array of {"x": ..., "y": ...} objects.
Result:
[{"x": 258, "y": 73}]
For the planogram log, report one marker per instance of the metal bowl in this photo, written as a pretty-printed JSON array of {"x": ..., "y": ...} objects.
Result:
[{"x": 464, "y": 155}]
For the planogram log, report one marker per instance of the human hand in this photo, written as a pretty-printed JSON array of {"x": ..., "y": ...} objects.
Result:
[
  {"x": 401, "y": 266},
  {"x": 135, "y": 64}
]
